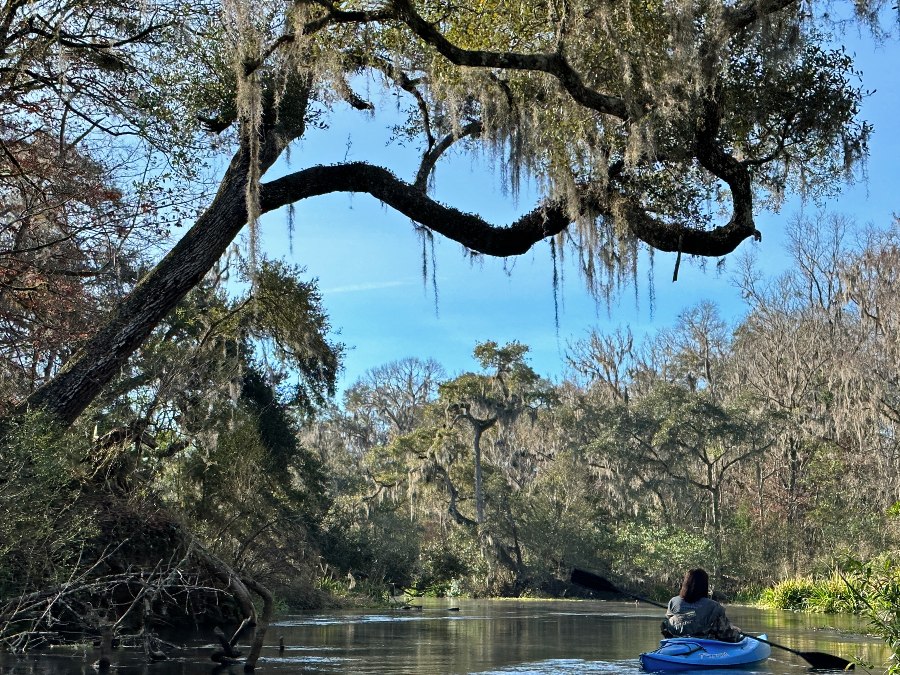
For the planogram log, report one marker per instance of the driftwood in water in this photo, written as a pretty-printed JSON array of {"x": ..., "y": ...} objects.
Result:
[
  {"x": 152, "y": 652},
  {"x": 128, "y": 594},
  {"x": 106, "y": 640},
  {"x": 108, "y": 606},
  {"x": 227, "y": 654},
  {"x": 240, "y": 588},
  {"x": 262, "y": 622}
]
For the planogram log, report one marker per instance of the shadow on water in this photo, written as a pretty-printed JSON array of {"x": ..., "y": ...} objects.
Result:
[{"x": 484, "y": 637}]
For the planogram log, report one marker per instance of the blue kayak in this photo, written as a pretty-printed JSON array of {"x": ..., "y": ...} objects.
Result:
[{"x": 689, "y": 653}]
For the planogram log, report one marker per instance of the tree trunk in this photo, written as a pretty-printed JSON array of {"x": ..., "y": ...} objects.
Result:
[
  {"x": 479, "y": 488},
  {"x": 67, "y": 395},
  {"x": 262, "y": 622},
  {"x": 715, "y": 494}
]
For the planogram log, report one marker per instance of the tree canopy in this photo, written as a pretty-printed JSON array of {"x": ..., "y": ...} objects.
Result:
[{"x": 655, "y": 123}]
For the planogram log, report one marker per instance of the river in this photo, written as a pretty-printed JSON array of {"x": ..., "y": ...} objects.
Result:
[{"x": 482, "y": 636}]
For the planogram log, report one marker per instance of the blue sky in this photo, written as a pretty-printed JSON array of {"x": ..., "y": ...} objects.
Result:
[{"x": 368, "y": 259}]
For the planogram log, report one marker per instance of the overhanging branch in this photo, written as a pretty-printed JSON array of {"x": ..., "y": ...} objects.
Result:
[
  {"x": 553, "y": 64},
  {"x": 478, "y": 235},
  {"x": 740, "y": 16},
  {"x": 468, "y": 229}
]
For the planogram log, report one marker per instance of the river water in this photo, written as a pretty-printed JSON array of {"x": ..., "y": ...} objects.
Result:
[{"x": 482, "y": 636}]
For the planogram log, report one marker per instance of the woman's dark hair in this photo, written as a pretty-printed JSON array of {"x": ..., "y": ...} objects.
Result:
[{"x": 695, "y": 585}]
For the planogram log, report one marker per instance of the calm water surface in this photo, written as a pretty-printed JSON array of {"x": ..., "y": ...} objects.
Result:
[{"x": 484, "y": 636}]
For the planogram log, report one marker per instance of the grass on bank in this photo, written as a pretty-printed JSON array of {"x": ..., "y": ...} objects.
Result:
[{"x": 870, "y": 589}]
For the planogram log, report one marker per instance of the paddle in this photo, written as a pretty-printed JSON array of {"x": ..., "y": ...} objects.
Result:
[{"x": 817, "y": 660}]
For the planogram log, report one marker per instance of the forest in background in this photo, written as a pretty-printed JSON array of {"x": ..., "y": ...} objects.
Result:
[{"x": 764, "y": 451}]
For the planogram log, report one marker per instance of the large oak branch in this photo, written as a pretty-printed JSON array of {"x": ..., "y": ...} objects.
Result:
[
  {"x": 546, "y": 220},
  {"x": 745, "y": 14},
  {"x": 469, "y": 230}
]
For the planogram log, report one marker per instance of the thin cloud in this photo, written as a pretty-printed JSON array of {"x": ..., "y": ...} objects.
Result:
[{"x": 357, "y": 288}]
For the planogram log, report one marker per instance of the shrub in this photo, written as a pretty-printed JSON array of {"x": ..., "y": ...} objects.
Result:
[
  {"x": 803, "y": 594},
  {"x": 875, "y": 587},
  {"x": 661, "y": 553},
  {"x": 42, "y": 522},
  {"x": 832, "y": 595},
  {"x": 791, "y": 594}
]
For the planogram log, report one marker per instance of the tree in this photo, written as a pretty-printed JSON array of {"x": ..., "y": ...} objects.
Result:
[
  {"x": 694, "y": 353},
  {"x": 459, "y": 469},
  {"x": 198, "y": 435},
  {"x": 394, "y": 395},
  {"x": 684, "y": 441},
  {"x": 633, "y": 115},
  {"x": 85, "y": 195},
  {"x": 608, "y": 361},
  {"x": 180, "y": 388},
  {"x": 790, "y": 352},
  {"x": 482, "y": 402},
  {"x": 387, "y": 402},
  {"x": 868, "y": 387}
]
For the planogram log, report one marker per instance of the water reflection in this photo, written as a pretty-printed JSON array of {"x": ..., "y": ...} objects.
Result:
[
  {"x": 541, "y": 637},
  {"x": 563, "y": 666}
]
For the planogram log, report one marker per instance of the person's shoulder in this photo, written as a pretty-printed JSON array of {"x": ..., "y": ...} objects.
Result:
[{"x": 709, "y": 602}]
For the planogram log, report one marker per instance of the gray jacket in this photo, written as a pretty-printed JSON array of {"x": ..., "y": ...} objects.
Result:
[{"x": 703, "y": 618}]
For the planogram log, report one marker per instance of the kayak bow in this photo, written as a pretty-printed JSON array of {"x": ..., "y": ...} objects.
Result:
[{"x": 690, "y": 653}]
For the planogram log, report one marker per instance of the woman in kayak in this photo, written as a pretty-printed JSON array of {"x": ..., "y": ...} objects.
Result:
[{"x": 692, "y": 613}]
